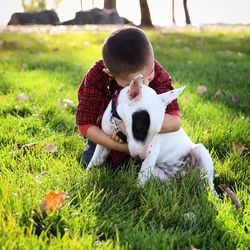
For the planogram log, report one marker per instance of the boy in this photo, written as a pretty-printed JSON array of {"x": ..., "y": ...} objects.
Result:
[{"x": 126, "y": 53}]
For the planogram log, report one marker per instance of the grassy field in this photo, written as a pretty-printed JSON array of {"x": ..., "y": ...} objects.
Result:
[{"x": 107, "y": 210}]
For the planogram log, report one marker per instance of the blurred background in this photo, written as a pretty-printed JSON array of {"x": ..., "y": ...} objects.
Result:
[{"x": 160, "y": 12}]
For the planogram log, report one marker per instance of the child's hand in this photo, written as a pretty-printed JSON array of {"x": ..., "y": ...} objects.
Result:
[{"x": 114, "y": 133}]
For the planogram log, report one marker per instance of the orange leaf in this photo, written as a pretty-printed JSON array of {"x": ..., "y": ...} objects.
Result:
[
  {"x": 238, "y": 148},
  {"x": 53, "y": 201}
]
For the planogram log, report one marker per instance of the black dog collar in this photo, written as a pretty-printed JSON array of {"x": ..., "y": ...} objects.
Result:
[{"x": 115, "y": 118}]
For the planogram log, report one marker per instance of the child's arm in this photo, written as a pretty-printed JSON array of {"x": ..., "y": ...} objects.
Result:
[
  {"x": 171, "y": 123},
  {"x": 96, "y": 135}
]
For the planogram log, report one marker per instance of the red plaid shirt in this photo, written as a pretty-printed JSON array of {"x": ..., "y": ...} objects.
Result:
[{"x": 96, "y": 91}]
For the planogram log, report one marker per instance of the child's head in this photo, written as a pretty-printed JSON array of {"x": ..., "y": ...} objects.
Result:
[{"x": 127, "y": 53}]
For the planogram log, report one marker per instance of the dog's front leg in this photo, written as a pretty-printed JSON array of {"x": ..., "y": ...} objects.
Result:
[
  {"x": 149, "y": 163},
  {"x": 99, "y": 157}
]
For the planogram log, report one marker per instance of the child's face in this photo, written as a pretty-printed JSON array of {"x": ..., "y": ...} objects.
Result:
[{"x": 147, "y": 72}]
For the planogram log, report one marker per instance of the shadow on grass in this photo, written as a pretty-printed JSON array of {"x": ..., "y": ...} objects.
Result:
[{"x": 177, "y": 214}]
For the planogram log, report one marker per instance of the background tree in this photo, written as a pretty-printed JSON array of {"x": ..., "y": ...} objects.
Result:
[
  {"x": 173, "y": 14},
  {"x": 34, "y": 5},
  {"x": 81, "y": 4},
  {"x": 38, "y": 5},
  {"x": 110, "y": 4},
  {"x": 145, "y": 14},
  {"x": 188, "y": 21}
]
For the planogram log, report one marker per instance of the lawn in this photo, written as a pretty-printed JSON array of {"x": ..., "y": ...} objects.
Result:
[{"x": 106, "y": 210}]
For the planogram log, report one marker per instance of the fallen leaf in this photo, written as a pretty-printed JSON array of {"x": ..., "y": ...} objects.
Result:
[
  {"x": 53, "y": 201},
  {"x": 232, "y": 99},
  {"x": 50, "y": 148},
  {"x": 1, "y": 44},
  {"x": 26, "y": 147},
  {"x": 219, "y": 93},
  {"x": 22, "y": 97},
  {"x": 201, "y": 89},
  {"x": 230, "y": 194},
  {"x": 238, "y": 148},
  {"x": 44, "y": 173}
]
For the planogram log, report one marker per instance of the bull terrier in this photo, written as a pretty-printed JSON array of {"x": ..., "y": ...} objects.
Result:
[{"x": 164, "y": 156}]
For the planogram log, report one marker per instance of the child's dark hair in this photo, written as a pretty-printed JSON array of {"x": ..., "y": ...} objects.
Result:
[{"x": 126, "y": 51}]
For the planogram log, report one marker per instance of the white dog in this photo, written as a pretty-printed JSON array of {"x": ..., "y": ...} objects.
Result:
[{"x": 164, "y": 155}]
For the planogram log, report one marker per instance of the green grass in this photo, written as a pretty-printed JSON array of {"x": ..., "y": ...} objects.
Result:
[{"x": 107, "y": 210}]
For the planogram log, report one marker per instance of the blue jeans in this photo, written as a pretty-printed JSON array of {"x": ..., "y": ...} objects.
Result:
[{"x": 89, "y": 151}]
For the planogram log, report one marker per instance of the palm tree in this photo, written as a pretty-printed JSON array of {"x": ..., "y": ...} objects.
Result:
[
  {"x": 145, "y": 14},
  {"x": 188, "y": 21}
]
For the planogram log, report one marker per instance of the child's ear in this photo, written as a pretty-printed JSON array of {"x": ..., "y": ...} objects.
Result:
[{"x": 106, "y": 71}]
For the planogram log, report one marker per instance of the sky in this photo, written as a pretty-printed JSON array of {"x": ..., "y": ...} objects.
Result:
[{"x": 201, "y": 11}]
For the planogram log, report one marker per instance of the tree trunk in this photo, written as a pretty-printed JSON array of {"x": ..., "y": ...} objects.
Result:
[
  {"x": 145, "y": 14},
  {"x": 173, "y": 14},
  {"x": 188, "y": 21},
  {"x": 81, "y": 4},
  {"x": 110, "y": 4}
]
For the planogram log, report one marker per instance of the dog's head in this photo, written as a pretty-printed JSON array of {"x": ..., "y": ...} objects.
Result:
[{"x": 142, "y": 111}]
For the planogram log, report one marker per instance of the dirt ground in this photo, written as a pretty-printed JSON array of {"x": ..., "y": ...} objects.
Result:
[{"x": 49, "y": 29}]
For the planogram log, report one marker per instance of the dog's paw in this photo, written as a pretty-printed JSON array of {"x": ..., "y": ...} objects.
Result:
[{"x": 142, "y": 179}]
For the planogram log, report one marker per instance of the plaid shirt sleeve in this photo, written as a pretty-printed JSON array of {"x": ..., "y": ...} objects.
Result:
[
  {"x": 90, "y": 96},
  {"x": 162, "y": 83}
]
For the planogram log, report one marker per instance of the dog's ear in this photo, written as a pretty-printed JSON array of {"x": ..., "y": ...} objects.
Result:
[
  {"x": 134, "y": 90},
  {"x": 171, "y": 95}
]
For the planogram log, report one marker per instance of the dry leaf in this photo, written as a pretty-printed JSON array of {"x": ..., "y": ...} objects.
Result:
[
  {"x": 68, "y": 102},
  {"x": 27, "y": 147},
  {"x": 22, "y": 97},
  {"x": 53, "y": 201},
  {"x": 219, "y": 93},
  {"x": 1, "y": 44},
  {"x": 44, "y": 173},
  {"x": 238, "y": 148},
  {"x": 51, "y": 148},
  {"x": 230, "y": 194},
  {"x": 232, "y": 99},
  {"x": 201, "y": 89}
]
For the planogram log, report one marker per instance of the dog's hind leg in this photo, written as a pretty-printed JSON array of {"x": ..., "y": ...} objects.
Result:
[
  {"x": 205, "y": 163},
  {"x": 99, "y": 157}
]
